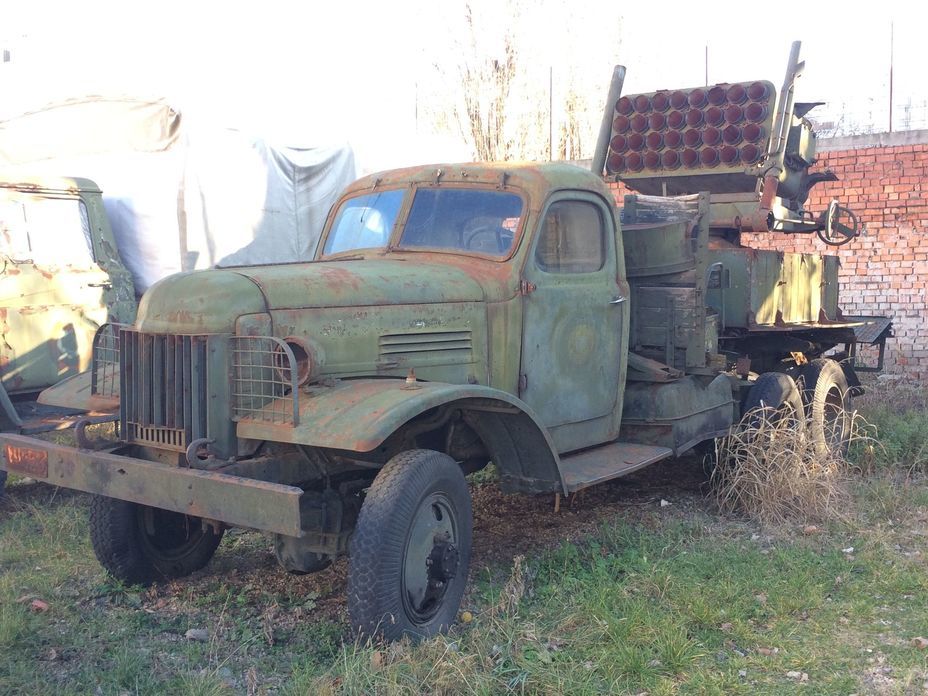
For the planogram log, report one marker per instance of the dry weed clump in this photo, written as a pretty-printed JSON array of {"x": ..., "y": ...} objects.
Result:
[{"x": 770, "y": 468}]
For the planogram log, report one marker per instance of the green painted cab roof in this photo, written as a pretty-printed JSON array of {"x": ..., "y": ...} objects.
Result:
[{"x": 534, "y": 177}]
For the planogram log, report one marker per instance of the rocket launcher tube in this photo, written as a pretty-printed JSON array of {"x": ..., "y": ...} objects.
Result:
[{"x": 605, "y": 128}]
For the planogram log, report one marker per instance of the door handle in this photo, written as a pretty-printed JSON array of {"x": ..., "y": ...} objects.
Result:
[
  {"x": 617, "y": 300},
  {"x": 105, "y": 285}
]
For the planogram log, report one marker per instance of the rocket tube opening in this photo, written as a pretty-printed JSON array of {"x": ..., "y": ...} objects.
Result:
[
  {"x": 692, "y": 138},
  {"x": 660, "y": 101},
  {"x": 750, "y": 154},
  {"x": 734, "y": 114},
  {"x": 654, "y": 140},
  {"x": 657, "y": 121},
  {"x": 694, "y": 118},
  {"x": 697, "y": 98},
  {"x": 752, "y": 132},
  {"x": 709, "y": 156},
  {"x": 619, "y": 143},
  {"x": 673, "y": 139},
  {"x": 670, "y": 159},
  {"x": 714, "y": 116},
  {"x": 624, "y": 106},
  {"x": 755, "y": 112},
  {"x": 652, "y": 160},
  {"x": 758, "y": 91},
  {"x": 636, "y": 141},
  {"x": 615, "y": 163},
  {"x": 728, "y": 154},
  {"x": 737, "y": 94},
  {"x": 690, "y": 157},
  {"x": 716, "y": 95},
  {"x": 642, "y": 104},
  {"x": 731, "y": 135},
  {"x": 678, "y": 100},
  {"x": 711, "y": 136}
]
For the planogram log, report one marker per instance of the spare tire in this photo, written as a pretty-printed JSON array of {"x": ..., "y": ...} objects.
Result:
[{"x": 827, "y": 404}]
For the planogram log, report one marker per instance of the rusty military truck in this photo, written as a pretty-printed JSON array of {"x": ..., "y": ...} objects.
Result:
[
  {"x": 62, "y": 279},
  {"x": 455, "y": 315}
]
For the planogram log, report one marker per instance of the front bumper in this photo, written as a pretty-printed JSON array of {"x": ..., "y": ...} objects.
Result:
[{"x": 235, "y": 500}]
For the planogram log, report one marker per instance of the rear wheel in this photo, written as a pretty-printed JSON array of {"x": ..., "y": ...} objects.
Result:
[
  {"x": 827, "y": 402},
  {"x": 410, "y": 550},
  {"x": 138, "y": 544},
  {"x": 776, "y": 397}
]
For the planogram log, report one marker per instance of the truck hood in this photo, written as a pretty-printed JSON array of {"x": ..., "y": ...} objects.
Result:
[
  {"x": 363, "y": 282},
  {"x": 210, "y": 301}
]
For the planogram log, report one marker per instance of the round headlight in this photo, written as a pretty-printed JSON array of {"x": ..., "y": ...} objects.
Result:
[{"x": 307, "y": 361}]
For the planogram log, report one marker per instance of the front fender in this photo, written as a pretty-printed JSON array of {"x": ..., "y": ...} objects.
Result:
[{"x": 359, "y": 415}]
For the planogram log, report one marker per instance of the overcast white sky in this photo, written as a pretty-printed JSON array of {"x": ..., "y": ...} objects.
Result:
[{"x": 319, "y": 73}]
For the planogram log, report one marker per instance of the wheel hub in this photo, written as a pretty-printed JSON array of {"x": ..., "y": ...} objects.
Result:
[{"x": 442, "y": 563}]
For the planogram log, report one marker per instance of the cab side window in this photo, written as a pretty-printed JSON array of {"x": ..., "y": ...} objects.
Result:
[
  {"x": 573, "y": 238},
  {"x": 53, "y": 231}
]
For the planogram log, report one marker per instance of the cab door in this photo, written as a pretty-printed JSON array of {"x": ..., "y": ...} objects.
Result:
[
  {"x": 51, "y": 289},
  {"x": 574, "y": 312}
]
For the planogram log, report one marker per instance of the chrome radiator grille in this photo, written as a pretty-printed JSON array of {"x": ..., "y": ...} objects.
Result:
[{"x": 163, "y": 388}]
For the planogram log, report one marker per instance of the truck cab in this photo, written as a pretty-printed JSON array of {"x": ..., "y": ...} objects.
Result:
[
  {"x": 62, "y": 279},
  {"x": 542, "y": 249}
]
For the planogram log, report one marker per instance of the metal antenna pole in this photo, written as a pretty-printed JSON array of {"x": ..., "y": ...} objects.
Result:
[
  {"x": 550, "y": 113},
  {"x": 890, "y": 77}
]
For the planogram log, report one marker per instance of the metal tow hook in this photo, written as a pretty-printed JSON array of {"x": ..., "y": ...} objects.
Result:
[{"x": 193, "y": 451}]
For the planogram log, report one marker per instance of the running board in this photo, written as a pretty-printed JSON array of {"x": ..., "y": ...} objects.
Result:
[{"x": 594, "y": 466}]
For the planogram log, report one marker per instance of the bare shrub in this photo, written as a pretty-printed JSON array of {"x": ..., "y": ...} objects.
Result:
[
  {"x": 515, "y": 589},
  {"x": 771, "y": 469}
]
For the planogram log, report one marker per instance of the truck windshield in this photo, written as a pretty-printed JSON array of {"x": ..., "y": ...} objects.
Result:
[
  {"x": 475, "y": 220},
  {"x": 364, "y": 222}
]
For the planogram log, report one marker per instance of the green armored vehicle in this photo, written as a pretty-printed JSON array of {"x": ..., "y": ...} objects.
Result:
[
  {"x": 456, "y": 315},
  {"x": 62, "y": 279}
]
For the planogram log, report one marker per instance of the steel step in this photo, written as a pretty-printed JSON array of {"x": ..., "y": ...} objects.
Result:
[{"x": 600, "y": 464}]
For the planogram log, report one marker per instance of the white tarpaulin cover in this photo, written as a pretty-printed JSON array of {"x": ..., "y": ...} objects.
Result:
[{"x": 181, "y": 197}]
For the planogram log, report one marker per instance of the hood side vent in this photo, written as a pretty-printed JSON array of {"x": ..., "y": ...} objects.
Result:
[{"x": 427, "y": 348}]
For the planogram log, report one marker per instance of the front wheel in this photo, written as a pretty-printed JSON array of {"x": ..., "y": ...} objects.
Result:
[
  {"x": 138, "y": 544},
  {"x": 410, "y": 550}
]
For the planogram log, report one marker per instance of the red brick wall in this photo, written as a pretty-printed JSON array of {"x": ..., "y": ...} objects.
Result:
[{"x": 885, "y": 271}]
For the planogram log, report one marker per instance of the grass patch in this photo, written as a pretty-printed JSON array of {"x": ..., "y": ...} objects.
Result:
[
  {"x": 899, "y": 415},
  {"x": 668, "y": 610}
]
